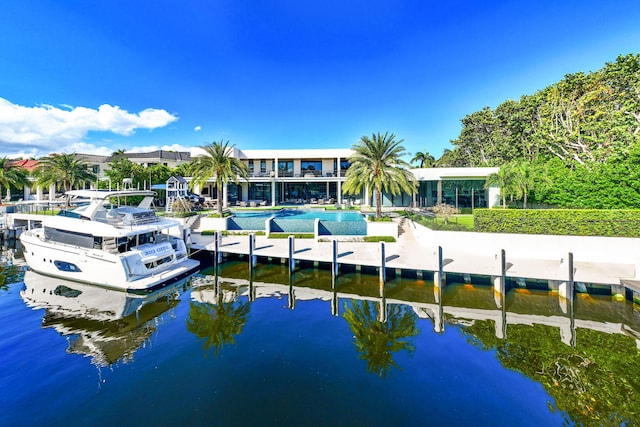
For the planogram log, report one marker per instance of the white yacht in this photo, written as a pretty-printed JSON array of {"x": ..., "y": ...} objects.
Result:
[{"x": 118, "y": 247}]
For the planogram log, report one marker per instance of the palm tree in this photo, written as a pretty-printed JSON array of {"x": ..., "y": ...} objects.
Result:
[
  {"x": 503, "y": 179},
  {"x": 217, "y": 163},
  {"x": 65, "y": 171},
  {"x": 377, "y": 163},
  {"x": 424, "y": 159},
  {"x": 528, "y": 176},
  {"x": 217, "y": 324},
  {"x": 11, "y": 175},
  {"x": 376, "y": 341}
]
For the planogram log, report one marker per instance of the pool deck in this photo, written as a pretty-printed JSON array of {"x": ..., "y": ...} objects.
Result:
[{"x": 593, "y": 261}]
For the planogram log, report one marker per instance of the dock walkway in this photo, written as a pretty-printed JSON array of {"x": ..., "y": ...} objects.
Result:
[{"x": 415, "y": 251}]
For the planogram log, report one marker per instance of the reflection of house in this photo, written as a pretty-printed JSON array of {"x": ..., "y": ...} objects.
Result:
[{"x": 317, "y": 175}]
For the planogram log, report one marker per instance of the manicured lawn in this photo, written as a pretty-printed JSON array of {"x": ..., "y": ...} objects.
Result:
[{"x": 462, "y": 222}]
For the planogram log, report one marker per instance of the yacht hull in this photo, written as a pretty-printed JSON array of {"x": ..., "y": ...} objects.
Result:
[{"x": 97, "y": 267}]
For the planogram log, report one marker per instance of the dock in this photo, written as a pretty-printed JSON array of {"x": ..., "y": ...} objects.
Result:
[{"x": 605, "y": 261}]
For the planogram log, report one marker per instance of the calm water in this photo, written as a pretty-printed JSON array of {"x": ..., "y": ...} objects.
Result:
[{"x": 274, "y": 350}]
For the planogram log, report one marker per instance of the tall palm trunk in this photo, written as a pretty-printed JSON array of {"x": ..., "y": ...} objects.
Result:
[
  {"x": 219, "y": 198},
  {"x": 378, "y": 203}
]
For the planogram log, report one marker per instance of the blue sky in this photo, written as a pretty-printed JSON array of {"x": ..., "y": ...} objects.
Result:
[{"x": 98, "y": 76}]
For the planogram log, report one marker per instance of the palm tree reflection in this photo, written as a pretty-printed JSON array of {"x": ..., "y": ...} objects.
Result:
[
  {"x": 217, "y": 322},
  {"x": 9, "y": 274},
  {"x": 376, "y": 341}
]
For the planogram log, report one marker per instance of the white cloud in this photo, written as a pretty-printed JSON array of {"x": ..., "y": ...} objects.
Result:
[
  {"x": 48, "y": 128},
  {"x": 197, "y": 128}
]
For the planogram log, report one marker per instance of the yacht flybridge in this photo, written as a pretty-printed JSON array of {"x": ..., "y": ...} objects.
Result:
[{"x": 119, "y": 247}]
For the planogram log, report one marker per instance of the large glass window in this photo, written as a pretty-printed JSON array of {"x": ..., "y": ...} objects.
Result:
[
  {"x": 285, "y": 167},
  {"x": 250, "y": 167},
  {"x": 234, "y": 193},
  {"x": 468, "y": 193},
  {"x": 313, "y": 167},
  {"x": 260, "y": 191},
  {"x": 263, "y": 166}
]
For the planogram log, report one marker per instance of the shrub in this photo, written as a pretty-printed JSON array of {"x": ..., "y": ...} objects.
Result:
[
  {"x": 389, "y": 239},
  {"x": 381, "y": 219},
  {"x": 181, "y": 206},
  {"x": 445, "y": 211},
  {"x": 296, "y": 235},
  {"x": 573, "y": 222}
]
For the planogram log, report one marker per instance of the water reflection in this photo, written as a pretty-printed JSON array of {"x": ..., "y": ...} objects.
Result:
[
  {"x": 10, "y": 272},
  {"x": 377, "y": 337},
  {"x": 106, "y": 325},
  {"x": 216, "y": 315},
  {"x": 585, "y": 352}
]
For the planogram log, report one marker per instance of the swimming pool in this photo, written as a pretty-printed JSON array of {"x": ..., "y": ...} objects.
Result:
[
  {"x": 344, "y": 223},
  {"x": 336, "y": 215}
]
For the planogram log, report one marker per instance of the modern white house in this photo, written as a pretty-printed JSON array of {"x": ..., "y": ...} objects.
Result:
[{"x": 316, "y": 176}]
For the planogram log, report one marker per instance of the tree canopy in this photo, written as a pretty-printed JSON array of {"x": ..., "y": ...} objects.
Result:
[
  {"x": 11, "y": 175},
  {"x": 66, "y": 171},
  {"x": 584, "y": 129}
]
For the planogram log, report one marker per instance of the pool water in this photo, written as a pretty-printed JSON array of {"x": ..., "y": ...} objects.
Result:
[
  {"x": 230, "y": 349},
  {"x": 335, "y": 222},
  {"x": 334, "y": 215}
]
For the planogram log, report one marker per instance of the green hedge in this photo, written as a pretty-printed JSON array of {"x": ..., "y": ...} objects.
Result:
[
  {"x": 572, "y": 222},
  {"x": 389, "y": 239},
  {"x": 296, "y": 235}
]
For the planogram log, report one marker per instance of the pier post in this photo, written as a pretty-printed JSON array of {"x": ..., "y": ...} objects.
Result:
[
  {"x": 334, "y": 260},
  {"x": 566, "y": 289},
  {"x": 292, "y": 293},
  {"x": 334, "y": 296},
  {"x": 217, "y": 255},
  {"x": 499, "y": 281},
  {"x": 252, "y": 244},
  {"x": 383, "y": 268},
  {"x": 292, "y": 250},
  {"x": 252, "y": 288},
  {"x": 438, "y": 277}
]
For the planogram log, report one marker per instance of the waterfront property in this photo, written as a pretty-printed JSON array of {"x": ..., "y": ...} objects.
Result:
[
  {"x": 315, "y": 176},
  {"x": 306, "y": 176}
]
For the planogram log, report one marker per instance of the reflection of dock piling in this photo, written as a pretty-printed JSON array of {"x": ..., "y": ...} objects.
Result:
[{"x": 391, "y": 260}]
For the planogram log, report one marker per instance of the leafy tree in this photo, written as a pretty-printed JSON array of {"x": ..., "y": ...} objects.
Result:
[
  {"x": 158, "y": 173},
  {"x": 65, "y": 171},
  {"x": 217, "y": 163},
  {"x": 377, "y": 341},
  {"x": 450, "y": 159},
  {"x": 424, "y": 159},
  {"x": 181, "y": 170},
  {"x": 121, "y": 167},
  {"x": 11, "y": 175},
  {"x": 377, "y": 163}
]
